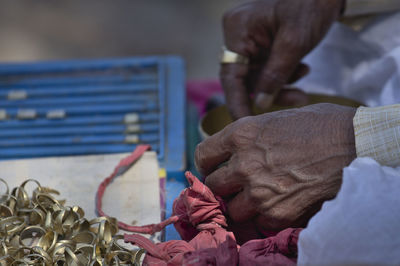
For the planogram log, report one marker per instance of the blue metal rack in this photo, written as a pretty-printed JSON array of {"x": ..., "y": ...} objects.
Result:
[{"x": 94, "y": 107}]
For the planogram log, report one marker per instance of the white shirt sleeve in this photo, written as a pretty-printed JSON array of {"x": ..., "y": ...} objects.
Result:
[
  {"x": 363, "y": 7},
  {"x": 361, "y": 225}
]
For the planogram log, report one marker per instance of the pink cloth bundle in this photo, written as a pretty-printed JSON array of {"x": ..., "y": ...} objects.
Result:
[{"x": 198, "y": 217}]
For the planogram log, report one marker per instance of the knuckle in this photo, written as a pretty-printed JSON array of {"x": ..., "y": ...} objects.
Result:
[
  {"x": 243, "y": 132},
  {"x": 274, "y": 160},
  {"x": 248, "y": 167},
  {"x": 295, "y": 41},
  {"x": 242, "y": 168},
  {"x": 254, "y": 195},
  {"x": 237, "y": 139}
]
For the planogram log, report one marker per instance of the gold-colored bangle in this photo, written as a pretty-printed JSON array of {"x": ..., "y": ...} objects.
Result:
[
  {"x": 11, "y": 225},
  {"x": 79, "y": 211},
  {"x": 86, "y": 237},
  {"x": 48, "y": 240},
  {"x": 7, "y": 188},
  {"x": 57, "y": 234},
  {"x": 44, "y": 254},
  {"x": 5, "y": 211},
  {"x": 31, "y": 232}
]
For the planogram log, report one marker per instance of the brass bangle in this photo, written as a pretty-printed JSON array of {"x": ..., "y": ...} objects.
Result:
[
  {"x": 7, "y": 188},
  {"x": 28, "y": 233},
  {"x": 40, "y": 230},
  {"x": 48, "y": 240},
  {"x": 5, "y": 211}
]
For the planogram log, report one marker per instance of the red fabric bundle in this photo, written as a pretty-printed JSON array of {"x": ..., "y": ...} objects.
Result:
[
  {"x": 200, "y": 222},
  {"x": 197, "y": 208},
  {"x": 199, "y": 219},
  {"x": 276, "y": 250}
]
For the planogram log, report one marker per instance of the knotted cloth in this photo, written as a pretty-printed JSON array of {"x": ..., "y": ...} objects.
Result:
[{"x": 199, "y": 219}]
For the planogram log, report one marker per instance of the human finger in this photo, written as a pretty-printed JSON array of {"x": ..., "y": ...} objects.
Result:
[
  {"x": 255, "y": 70},
  {"x": 285, "y": 56},
  {"x": 222, "y": 182},
  {"x": 233, "y": 78},
  {"x": 301, "y": 71},
  {"x": 212, "y": 151}
]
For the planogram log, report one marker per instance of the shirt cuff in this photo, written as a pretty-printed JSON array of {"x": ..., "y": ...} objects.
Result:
[
  {"x": 364, "y": 7},
  {"x": 377, "y": 134}
]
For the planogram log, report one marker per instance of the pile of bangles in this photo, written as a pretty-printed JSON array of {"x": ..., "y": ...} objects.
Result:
[{"x": 38, "y": 229}]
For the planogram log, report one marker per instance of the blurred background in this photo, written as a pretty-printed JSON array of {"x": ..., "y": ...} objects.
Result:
[{"x": 47, "y": 30}]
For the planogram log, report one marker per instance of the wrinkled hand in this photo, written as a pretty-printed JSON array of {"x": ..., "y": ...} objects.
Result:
[
  {"x": 279, "y": 167},
  {"x": 275, "y": 35}
]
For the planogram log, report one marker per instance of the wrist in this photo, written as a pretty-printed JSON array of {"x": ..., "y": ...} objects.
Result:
[{"x": 345, "y": 137}]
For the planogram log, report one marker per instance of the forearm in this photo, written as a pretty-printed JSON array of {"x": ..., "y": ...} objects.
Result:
[{"x": 363, "y": 7}]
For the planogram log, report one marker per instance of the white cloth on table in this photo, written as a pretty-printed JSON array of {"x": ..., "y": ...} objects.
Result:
[{"x": 361, "y": 225}]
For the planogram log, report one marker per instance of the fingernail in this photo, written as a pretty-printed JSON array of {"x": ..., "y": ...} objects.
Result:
[{"x": 264, "y": 100}]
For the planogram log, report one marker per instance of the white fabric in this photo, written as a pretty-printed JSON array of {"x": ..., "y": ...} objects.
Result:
[
  {"x": 364, "y": 65},
  {"x": 361, "y": 225},
  {"x": 362, "y": 7}
]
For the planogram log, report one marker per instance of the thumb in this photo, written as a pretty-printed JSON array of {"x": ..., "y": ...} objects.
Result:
[{"x": 284, "y": 58}]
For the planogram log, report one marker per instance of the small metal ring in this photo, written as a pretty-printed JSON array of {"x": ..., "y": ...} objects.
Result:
[{"x": 230, "y": 57}]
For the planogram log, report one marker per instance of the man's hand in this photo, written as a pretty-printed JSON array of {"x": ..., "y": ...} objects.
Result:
[
  {"x": 279, "y": 167},
  {"x": 275, "y": 35}
]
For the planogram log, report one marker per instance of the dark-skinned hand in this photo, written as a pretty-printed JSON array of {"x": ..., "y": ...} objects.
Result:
[
  {"x": 275, "y": 35},
  {"x": 278, "y": 168}
]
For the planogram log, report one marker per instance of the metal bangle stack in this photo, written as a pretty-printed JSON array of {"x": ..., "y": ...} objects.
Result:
[{"x": 40, "y": 230}]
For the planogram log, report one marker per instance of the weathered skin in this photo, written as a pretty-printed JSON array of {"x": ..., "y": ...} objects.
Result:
[
  {"x": 275, "y": 35},
  {"x": 279, "y": 167}
]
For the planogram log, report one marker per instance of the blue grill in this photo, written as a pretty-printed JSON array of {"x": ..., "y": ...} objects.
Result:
[{"x": 93, "y": 107}]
